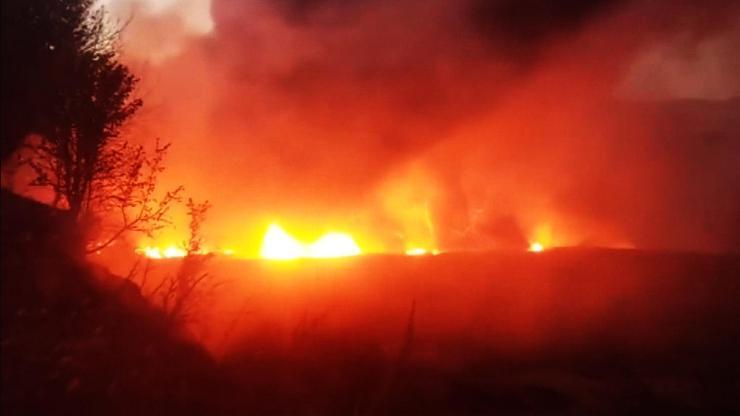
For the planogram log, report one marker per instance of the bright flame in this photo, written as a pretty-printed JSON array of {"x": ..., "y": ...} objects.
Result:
[
  {"x": 158, "y": 253},
  {"x": 536, "y": 247},
  {"x": 420, "y": 251},
  {"x": 333, "y": 245},
  {"x": 151, "y": 252},
  {"x": 172, "y": 251},
  {"x": 540, "y": 238},
  {"x": 279, "y": 245}
]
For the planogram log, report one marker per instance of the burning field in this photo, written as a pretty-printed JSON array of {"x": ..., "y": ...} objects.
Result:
[{"x": 370, "y": 207}]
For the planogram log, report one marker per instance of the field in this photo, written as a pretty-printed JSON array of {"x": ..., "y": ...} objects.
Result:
[{"x": 568, "y": 331}]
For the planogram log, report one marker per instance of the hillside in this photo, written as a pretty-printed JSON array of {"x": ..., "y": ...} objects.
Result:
[{"x": 73, "y": 343}]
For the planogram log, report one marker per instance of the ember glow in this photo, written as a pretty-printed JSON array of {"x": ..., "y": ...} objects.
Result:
[
  {"x": 536, "y": 247},
  {"x": 543, "y": 237},
  {"x": 174, "y": 252},
  {"x": 420, "y": 251},
  {"x": 279, "y": 245},
  {"x": 168, "y": 252}
]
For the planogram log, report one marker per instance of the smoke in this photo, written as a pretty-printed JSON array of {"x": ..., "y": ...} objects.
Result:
[
  {"x": 160, "y": 29},
  {"x": 471, "y": 124}
]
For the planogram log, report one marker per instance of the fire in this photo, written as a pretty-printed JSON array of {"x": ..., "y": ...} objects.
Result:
[
  {"x": 279, "y": 245},
  {"x": 420, "y": 251},
  {"x": 536, "y": 247},
  {"x": 159, "y": 253},
  {"x": 173, "y": 251},
  {"x": 333, "y": 245},
  {"x": 541, "y": 237}
]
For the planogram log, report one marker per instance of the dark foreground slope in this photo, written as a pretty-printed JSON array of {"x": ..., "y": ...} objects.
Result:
[{"x": 74, "y": 345}]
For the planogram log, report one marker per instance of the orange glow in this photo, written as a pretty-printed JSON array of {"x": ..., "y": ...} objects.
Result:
[
  {"x": 536, "y": 247},
  {"x": 542, "y": 237},
  {"x": 173, "y": 251},
  {"x": 407, "y": 197},
  {"x": 279, "y": 245},
  {"x": 160, "y": 253},
  {"x": 420, "y": 251}
]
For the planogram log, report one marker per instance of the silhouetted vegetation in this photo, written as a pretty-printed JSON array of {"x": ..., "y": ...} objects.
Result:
[
  {"x": 39, "y": 46},
  {"x": 75, "y": 338},
  {"x": 105, "y": 183},
  {"x": 78, "y": 340},
  {"x": 177, "y": 294}
]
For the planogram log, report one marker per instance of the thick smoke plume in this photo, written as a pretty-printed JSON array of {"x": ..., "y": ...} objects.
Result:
[{"x": 467, "y": 125}]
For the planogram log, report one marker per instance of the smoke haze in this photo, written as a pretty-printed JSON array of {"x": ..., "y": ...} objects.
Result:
[{"x": 461, "y": 125}]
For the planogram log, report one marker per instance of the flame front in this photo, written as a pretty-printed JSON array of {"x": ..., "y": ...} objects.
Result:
[
  {"x": 536, "y": 247},
  {"x": 333, "y": 245},
  {"x": 279, "y": 245},
  {"x": 159, "y": 253}
]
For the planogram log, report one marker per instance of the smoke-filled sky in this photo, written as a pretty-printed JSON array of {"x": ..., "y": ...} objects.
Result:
[{"x": 457, "y": 124}]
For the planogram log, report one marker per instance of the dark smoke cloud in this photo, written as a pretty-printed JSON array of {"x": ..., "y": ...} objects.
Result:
[
  {"x": 521, "y": 28},
  {"x": 498, "y": 116}
]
